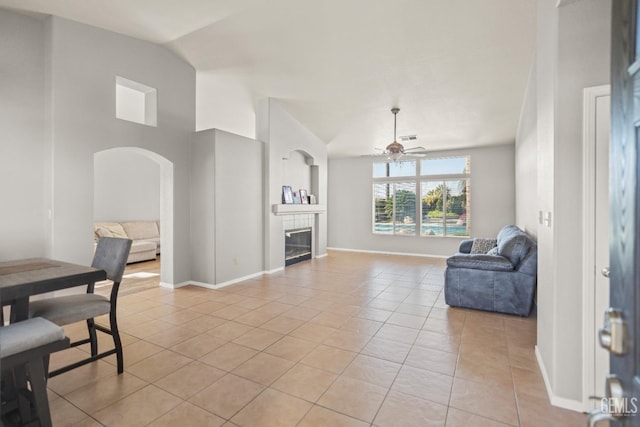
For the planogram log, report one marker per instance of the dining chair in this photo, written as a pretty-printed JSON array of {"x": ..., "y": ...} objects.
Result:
[
  {"x": 24, "y": 347},
  {"x": 111, "y": 255}
]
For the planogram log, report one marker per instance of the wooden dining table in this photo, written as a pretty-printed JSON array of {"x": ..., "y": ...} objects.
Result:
[{"x": 23, "y": 278}]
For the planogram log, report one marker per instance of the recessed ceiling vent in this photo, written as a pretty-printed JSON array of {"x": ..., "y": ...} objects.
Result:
[{"x": 406, "y": 138}]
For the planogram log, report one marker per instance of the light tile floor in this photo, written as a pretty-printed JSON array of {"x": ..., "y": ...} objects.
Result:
[{"x": 347, "y": 340}]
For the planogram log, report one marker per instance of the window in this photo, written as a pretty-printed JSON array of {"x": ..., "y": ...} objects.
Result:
[
  {"x": 395, "y": 208},
  {"x": 394, "y": 169},
  {"x": 443, "y": 205},
  {"x": 444, "y": 192}
]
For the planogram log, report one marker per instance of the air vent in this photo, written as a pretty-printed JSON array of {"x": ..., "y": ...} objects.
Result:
[{"x": 406, "y": 138}]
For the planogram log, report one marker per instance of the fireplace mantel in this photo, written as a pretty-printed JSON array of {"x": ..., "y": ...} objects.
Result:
[{"x": 298, "y": 209}]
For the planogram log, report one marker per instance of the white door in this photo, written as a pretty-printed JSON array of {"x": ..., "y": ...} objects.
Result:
[
  {"x": 601, "y": 283},
  {"x": 597, "y": 109}
]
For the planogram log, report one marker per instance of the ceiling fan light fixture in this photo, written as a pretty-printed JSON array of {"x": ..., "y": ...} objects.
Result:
[
  {"x": 394, "y": 156},
  {"x": 395, "y": 150}
]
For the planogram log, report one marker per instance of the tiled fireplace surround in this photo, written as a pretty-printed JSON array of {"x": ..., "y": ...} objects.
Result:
[{"x": 289, "y": 222}]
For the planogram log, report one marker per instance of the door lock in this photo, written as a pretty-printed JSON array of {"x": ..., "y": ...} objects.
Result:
[{"x": 613, "y": 335}]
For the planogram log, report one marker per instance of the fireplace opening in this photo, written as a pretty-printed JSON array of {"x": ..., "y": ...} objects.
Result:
[{"x": 297, "y": 245}]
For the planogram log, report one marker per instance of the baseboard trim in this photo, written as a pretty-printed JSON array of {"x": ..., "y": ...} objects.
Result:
[
  {"x": 560, "y": 402},
  {"x": 389, "y": 253},
  {"x": 204, "y": 285},
  {"x": 171, "y": 285},
  {"x": 321, "y": 256},
  {"x": 275, "y": 270},
  {"x": 179, "y": 285},
  {"x": 239, "y": 279},
  {"x": 212, "y": 286}
]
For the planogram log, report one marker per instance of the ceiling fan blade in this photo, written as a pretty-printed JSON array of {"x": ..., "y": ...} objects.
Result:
[{"x": 415, "y": 149}]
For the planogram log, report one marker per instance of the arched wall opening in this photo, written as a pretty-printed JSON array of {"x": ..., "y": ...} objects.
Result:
[
  {"x": 296, "y": 170},
  {"x": 165, "y": 206}
]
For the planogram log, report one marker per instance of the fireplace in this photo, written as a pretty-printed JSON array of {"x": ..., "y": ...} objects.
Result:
[{"x": 297, "y": 245}]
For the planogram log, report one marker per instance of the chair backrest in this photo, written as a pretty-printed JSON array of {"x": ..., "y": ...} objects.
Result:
[{"x": 111, "y": 256}]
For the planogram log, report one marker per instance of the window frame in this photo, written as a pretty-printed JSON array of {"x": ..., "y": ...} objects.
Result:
[
  {"x": 418, "y": 179},
  {"x": 396, "y": 180}
]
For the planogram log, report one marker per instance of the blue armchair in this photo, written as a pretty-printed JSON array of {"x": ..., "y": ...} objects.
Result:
[{"x": 504, "y": 282}]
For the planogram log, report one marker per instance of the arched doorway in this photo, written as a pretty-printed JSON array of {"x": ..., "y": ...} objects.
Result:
[{"x": 165, "y": 195}]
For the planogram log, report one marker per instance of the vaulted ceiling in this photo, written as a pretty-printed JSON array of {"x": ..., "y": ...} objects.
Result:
[{"x": 456, "y": 68}]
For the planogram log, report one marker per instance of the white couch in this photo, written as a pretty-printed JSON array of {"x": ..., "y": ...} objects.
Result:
[{"x": 145, "y": 236}]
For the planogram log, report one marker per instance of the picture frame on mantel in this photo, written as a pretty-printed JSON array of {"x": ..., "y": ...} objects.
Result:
[
  {"x": 287, "y": 195},
  {"x": 296, "y": 198},
  {"x": 304, "y": 198}
]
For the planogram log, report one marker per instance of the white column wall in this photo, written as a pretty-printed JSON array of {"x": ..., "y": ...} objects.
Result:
[
  {"x": 583, "y": 61},
  {"x": 226, "y": 207},
  {"x": 23, "y": 178},
  {"x": 84, "y": 62},
  {"x": 573, "y": 52},
  {"x": 283, "y": 134},
  {"x": 526, "y": 156},
  {"x": 202, "y": 208}
]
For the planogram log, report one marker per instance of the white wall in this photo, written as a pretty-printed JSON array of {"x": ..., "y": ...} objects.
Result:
[
  {"x": 226, "y": 207},
  {"x": 583, "y": 61},
  {"x": 526, "y": 155},
  {"x": 238, "y": 202},
  {"x": 546, "y": 64},
  {"x": 22, "y": 151},
  {"x": 350, "y": 203},
  {"x": 202, "y": 208},
  {"x": 283, "y": 134},
  {"x": 235, "y": 113},
  {"x": 126, "y": 187},
  {"x": 296, "y": 172},
  {"x": 84, "y": 63},
  {"x": 573, "y": 52}
]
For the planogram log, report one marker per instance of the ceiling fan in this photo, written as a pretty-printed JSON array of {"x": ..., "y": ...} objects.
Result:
[{"x": 395, "y": 150}]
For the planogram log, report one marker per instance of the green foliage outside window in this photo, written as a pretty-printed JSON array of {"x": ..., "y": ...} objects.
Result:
[
  {"x": 405, "y": 205},
  {"x": 432, "y": 203}
]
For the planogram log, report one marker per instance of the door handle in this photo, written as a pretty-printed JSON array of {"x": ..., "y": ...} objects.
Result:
[
  {"x": 613, "y": 335},
  {"x": 595, "y": 416},
  {"x": 605, "y": 272},
  {"x": 612, "y": 408}
]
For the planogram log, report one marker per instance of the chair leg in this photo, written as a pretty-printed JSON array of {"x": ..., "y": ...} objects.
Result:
[
  {"x": 45, "y": 363},
  {"x": 116, "y": 340},
  {"x": 20, "y": 384},
  {"x": 16, "y": 407},
  {"x": 38, "y": 379},
  {"x": 92, "y": 336}
]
